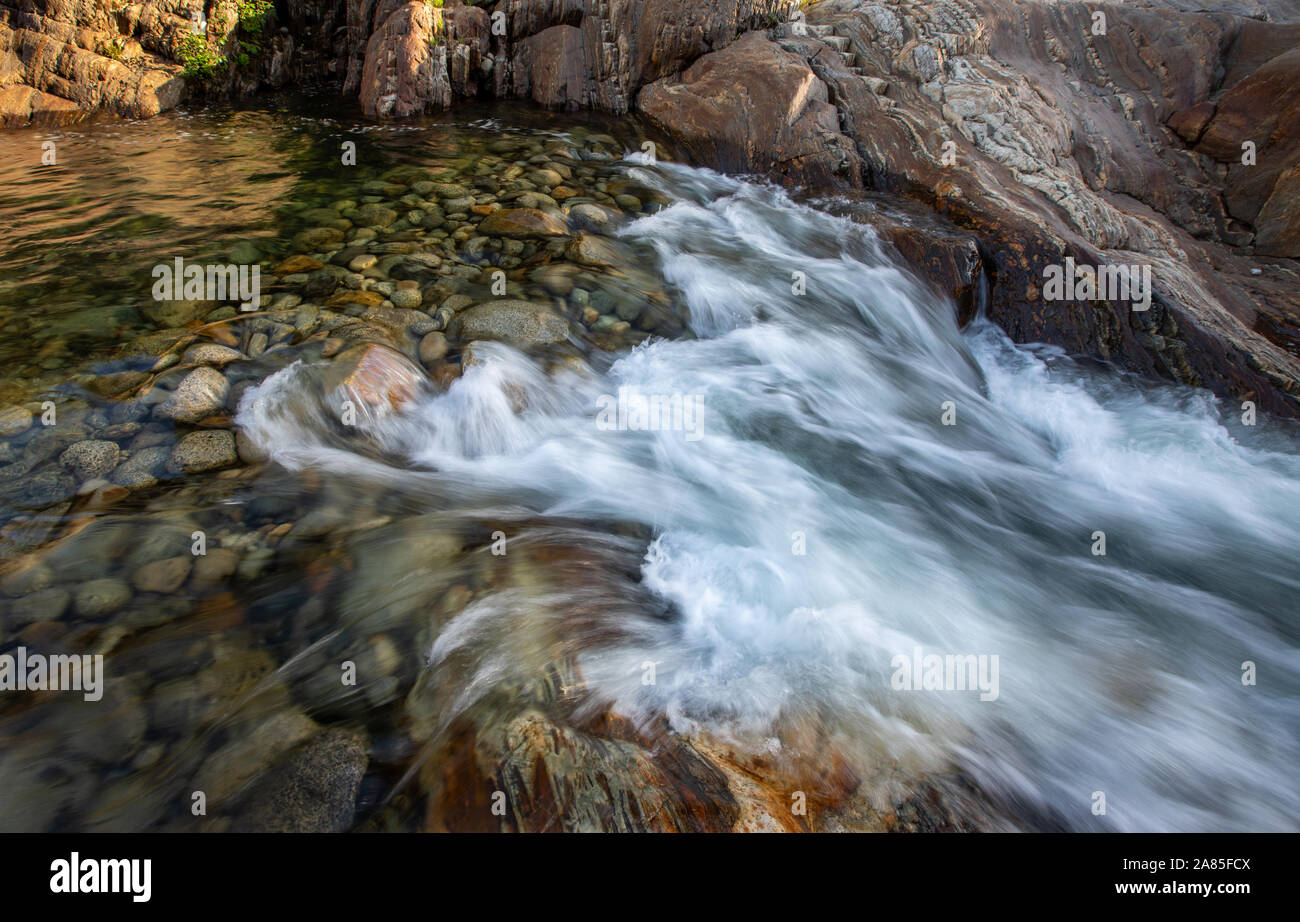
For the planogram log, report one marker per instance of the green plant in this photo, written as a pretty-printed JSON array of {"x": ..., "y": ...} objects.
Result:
[
  {"x": 254, "y": 15},
  {"x": 201, "y": 62},
  {"x": 113, "y": 49}
]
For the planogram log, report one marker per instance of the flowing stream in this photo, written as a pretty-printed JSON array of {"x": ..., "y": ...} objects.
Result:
[
  {"x": 840, "y": 479},
  {"x": 818, "y": 519}
]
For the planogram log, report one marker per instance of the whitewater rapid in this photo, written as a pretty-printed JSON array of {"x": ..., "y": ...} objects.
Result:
[{"x": 823, "y": 520}]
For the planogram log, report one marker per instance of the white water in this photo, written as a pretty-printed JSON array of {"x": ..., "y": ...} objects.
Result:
[{"x": 1118, "y": 673}]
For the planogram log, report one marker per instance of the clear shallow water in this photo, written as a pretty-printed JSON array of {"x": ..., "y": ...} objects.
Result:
[{"x": 819, "y": 429}]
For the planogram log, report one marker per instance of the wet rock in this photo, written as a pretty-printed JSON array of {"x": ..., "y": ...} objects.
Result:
[
  {"x": 201, "y": 393},
  {"x": 25, "y": 575},
  {"x": 755, "y": 105},
  {"x": 598, "y": 217},
  {"x": 111, "y": 730},
  {"x": 523, "y": 222},
  {"x": 249, "y": 753},
  {"x": 374, "y": 377},
  {"x": 313, "y": 788},
  {"x": 41, "y": 489},
  {"x": 399, "y": 570},
  {"x": 176, "y": 313},
  {"x": 518, "y": 323},
  {"x": 600, "y": 252},
  {"x": 249, "y": 451},
  {"x": 39, "y": 784},
  {"x": 406, "y": 298},
  {"x": 143, "y": 468},
  {"x": 556, "y": 279},
  {"x": 210, "y": 450},
  {"x": 316, "y": 238},
  {"x": 297, "y": 264},
  {"x": 211, "y": 354},
  {"x": 45, "y": 605},
  {"x": 216, "y": 566},
  {"x": 91, "y": 458},
  {"x": 560, "y": 778},
  {"x": 100, "y": 597},
  {"x": 374, "y": 215},
  {"x": 359, "y": 298},
  {"x": 432, "y": 348},
  {"x": 455, "y": 303},
  {"x": 14, "y": 421},
  {"x": 164, "y": 576}
]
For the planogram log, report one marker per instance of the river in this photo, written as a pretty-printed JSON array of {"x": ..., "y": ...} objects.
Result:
[{"x": 839, "y": 483}]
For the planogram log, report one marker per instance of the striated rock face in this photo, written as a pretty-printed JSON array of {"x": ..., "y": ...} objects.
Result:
[
  {"x": 59, "y": 59},
  {"x": 1046, "y": 140},
  {"x": 405, "y": 73},
  {"x": 1264, "y": 108}
]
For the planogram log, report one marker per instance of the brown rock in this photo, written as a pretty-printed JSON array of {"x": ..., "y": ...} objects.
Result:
[
  {"x": 754, "y": 106},
  {"x": 405, "y": 73},
  {"x": 164, "y": 576},
  {"x": 362, "y": 298},
  {"x": 549, "y": 67},
  {"x": 298, "y": 263},
  {"x": 523, "y": 222},
  {"x": 432, "y": 348},
  {"x": 375, "y": 376}
]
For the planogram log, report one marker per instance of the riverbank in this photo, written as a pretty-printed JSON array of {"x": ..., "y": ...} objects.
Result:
[{"x": 1155, "y": 138}]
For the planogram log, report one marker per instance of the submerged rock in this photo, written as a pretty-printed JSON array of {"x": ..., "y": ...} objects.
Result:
[
  {"x": 100, "y": 597},
  {"x": 201, "y": 393},
  {"x": 14, "y": 421},
  {"x": 523, "y": 222},
  {"x": 91, "y": 458},
  {"x": 518, "y": 323},
  {"x": 312, "y": 788},
  {"x": 209, "y": 450}
]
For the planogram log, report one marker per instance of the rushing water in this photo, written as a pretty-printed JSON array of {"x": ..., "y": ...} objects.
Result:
[{"x": 851, "y": 478}]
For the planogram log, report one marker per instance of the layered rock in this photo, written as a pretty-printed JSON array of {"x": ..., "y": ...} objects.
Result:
[
  {"x": 1125, "y": 148},
  {"x": 60, "y": 60},
  {"x": 405, "y": 73}
]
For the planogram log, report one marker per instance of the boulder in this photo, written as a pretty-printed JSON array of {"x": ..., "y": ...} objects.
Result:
[{"x": 754, "y": 106}]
